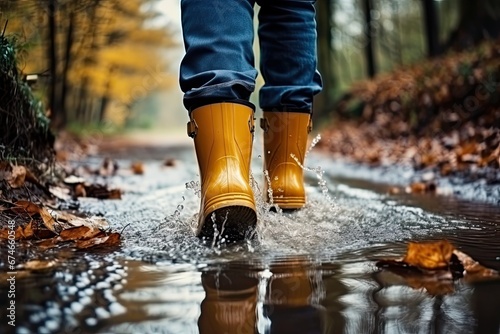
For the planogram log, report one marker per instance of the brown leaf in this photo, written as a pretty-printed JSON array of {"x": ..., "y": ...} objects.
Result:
[
  {"x": 137, "y": 168},
  {"x": 93, "y": 222},
  {"x": 169, "y": 162},
  {"x": 49, "y": 221},
  {"x": 36, "y": 265},
  {"x": 47, "y": 243},
  {"x": 28, "y": 231},
  {"x": 18, "y": 177},
  {"x": 473, "y": 269},
  {"x": 115, "y": 194},
  {"x": 429, "y": 255},
  {"x": 110, "y": 240},
  {"x": 26, "y": 206},
  {"x": 78, "y": 233},
  {"x": 80, "y": 191},
  {"x": 19, "y": 232},
  {"x": 43, "y": 233},
  {"x": 417, "y": 187},
  {"x": 89, "y": 243},
  {"x": 4, "y": 233},
  {"x": 99, "y": 191}
]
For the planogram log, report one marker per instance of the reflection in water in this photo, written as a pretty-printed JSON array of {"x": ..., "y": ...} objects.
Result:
[
  {"x": 284, "y": 297},
  {"x": 293, "y": 298},
  {"x": 301, "y": 296},
  {"x": 230, "y": 302}
]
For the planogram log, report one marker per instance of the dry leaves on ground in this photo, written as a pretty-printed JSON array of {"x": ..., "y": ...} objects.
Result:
[
  {"x": 441, "y": 115},
  {"x": 434, "y": 266},
  {"x": 17, "y": 175},
  {"x": 78, "y": 187},
  {"x": 48, "y": 228}
]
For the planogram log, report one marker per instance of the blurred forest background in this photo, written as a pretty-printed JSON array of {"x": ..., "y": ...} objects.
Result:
[{"x": 104, "y": 63}]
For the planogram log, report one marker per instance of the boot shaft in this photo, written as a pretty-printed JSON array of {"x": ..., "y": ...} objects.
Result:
[
  {"x": 285, "y": 145},
  {"x": 223, "y": 138}
]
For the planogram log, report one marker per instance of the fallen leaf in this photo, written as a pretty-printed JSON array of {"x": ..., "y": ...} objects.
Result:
[
  {"x": 49, "y": 221},
  {"x": 18, "y": 176},
  {"x": 91, "y": 222},
  {"x": 97, "y": 191},
  {"x": 4, "y": 233},
  {"x": 28, "y": 232},
  {"x": 77, "y": 233},
  {"x": 110, "y": 240},
  {"x": 473, "y": 269},
  {"x": 435, "y": 265},
  {"x": 429, "y": 255},
  {"x": 169, "y": 162},
  {"x": 115, "y": 194},
  {"x": 19, "y": 232},
  {"x": 36, "y": 265},
  {"x": 26, "y": 206},
  {"x": 47, "y": 243},
  {"x": 137, "y": 168},
  {"x": 80, "y": 191}
]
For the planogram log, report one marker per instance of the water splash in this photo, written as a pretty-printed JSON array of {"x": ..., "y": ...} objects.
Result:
[
  {"x": 314, "y": 142},
  {"x": 321, "y": 180}
]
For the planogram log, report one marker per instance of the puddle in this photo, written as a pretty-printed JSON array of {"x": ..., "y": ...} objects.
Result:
[{"x": 311, "y": 271}]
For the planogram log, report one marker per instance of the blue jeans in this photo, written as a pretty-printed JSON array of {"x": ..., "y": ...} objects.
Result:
[{"x": 219, "y": 62}]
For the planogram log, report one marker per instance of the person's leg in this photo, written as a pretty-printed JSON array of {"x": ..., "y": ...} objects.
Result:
[
  {"x": 217, "y": 76},
  {"x": 287, "y": 33},
  {"x": 219, "y": 60}
]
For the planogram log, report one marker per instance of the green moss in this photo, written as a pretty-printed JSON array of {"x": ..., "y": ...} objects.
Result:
[{"x": 25, "y": 137}]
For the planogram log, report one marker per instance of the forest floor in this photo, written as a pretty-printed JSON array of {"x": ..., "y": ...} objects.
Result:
[{"x": 440, "y": 118}]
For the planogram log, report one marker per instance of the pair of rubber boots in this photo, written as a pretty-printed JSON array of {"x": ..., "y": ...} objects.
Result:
[{"x": 223, "y": 137}]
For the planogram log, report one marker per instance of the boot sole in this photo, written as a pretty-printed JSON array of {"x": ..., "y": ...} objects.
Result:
[
  {"x": 234, "y": 216},
  {"x": 290, "y": 203}
]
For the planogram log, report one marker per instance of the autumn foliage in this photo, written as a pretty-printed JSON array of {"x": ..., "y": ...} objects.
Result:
[
  {"x": 94, "y": 59},
  {"x": 443, "y": 113}
]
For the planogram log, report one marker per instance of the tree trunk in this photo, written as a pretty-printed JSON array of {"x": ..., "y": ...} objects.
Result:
[
  {"x": 479, "y": 20},
  {"x": 55, "y": 111},
  {"x": 369, "y": 49},
  {"x": 67, "y": 64},
  {"x": 431, "y": 24},
  {"x": 324, "y": 101}
]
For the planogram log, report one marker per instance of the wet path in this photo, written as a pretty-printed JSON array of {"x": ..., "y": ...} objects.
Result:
[{"x": 311, "y": 271}]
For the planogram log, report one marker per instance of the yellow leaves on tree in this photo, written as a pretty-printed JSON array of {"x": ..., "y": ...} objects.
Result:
[{"x": 109, "y": 56}]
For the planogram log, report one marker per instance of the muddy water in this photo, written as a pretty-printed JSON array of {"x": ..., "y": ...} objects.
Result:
[{"x": 311, "y": 271}]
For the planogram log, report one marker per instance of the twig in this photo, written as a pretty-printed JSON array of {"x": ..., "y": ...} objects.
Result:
[{"x": 5, "y": 27}]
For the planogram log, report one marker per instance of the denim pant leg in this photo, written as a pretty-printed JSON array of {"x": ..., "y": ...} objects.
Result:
[
  {"x": 219, "y": 62},
  {"x": 287, "y": 33}
]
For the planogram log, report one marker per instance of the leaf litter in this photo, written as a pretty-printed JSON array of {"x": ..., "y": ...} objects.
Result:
[
  {"x": 49, "y": 228},
  {"x": 435, "y": 266}
]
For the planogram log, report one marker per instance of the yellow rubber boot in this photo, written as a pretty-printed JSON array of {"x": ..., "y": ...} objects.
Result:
[
  {"x": 223, "y": 137},
  {"x": 285, "y": 144}
]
